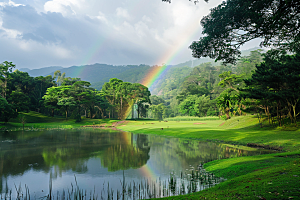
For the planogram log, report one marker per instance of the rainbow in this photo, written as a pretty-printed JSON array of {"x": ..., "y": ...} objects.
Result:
[
  {"x": 149, "y": 172},
  {"x": 156, "y": 72}
]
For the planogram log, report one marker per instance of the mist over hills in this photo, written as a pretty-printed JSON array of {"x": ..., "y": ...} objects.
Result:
[
  {"x": 42, "y": 71},
  {"x": 97, "y": 74}
]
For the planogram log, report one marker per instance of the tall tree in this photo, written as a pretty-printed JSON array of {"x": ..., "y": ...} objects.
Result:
[
  {"x": 51, "y": 99},
  {"x": 235, "y": 22},
  {"x": 5, "y": 70},
  {"x": 65, "y": 99},
  {"x": 80, "y": 93},
  {"x": 110, "y": 88},
  {"x": 6, "y": 110},
  {"x": 277, "y": 80}
]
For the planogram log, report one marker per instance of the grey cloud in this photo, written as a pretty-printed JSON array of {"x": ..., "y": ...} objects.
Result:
[{"x": 93, "y": 35}]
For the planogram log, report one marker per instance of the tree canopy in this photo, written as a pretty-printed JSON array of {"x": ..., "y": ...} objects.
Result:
[{"x": 235, "y": 22}]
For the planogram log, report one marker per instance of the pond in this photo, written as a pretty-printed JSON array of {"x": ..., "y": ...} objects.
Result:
[{"x": 104, "y": 164}]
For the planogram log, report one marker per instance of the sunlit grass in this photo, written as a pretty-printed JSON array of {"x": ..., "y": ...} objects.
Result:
[
  {"x": 36, "y": 120},
  {"x": 190, "y": 118},
  {"x": 278, "y": 173},
  {"x": 269, "y": 176}
]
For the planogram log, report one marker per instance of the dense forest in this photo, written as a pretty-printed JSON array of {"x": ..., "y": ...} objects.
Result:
[
  {"x": 59, "y": 95},
  {"x": 260, "y": 83}
]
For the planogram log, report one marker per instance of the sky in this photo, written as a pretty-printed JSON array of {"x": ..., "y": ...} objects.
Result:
[{"x": 43, "y": 33}]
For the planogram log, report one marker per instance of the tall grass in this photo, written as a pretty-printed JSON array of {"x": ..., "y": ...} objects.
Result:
[
  {"x": 190, "y": 118},
  {"x": 193, "y": 180}
]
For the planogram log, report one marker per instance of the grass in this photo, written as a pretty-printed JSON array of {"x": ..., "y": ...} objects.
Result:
[
  {"x": 269, "y": 176},
  {"x": 238, "y": 131},
  {"x": 280, "y": 181},
  {"x": 190, "y": 118},
  {"x": 36, "y": 120}
]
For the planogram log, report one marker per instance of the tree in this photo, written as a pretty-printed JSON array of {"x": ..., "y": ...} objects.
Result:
[
  {"x": 20, "y": 91},
  {"x": 80, "y": 93},
  {"x": 59, "y": 77},
  {"x": 155, "y": 100},
  {"x": 6, "y": 110},
  {"x": 51, "y": 99},
  {"x": 5, "y": 70},
  {"x": 235, "y": 22},
  {"x": 277, "y": 81},
  {"x": 141, "y": 96},
  {"x": 109, "y": 88},
  {"x": 195, "y": 106},
  {"x": 158, "y": 110},
  {"x": 226, "y": 101},
  {"x": 65, "y": 99},
  {"x": 230, "y": 80}
]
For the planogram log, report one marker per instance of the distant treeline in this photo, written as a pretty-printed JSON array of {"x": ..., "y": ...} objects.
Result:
[
  {"x": 261, "y": 83},
  {"x": 69, "y": 97}
]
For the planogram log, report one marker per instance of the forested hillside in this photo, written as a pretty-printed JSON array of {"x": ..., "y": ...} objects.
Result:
[
  {"x": 97, "y": 74},
  {"x": 196, "y": 91}
]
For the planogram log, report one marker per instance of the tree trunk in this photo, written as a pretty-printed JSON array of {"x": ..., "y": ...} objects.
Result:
[
  {"x": 278, "y": 117},
  {"x": 132, "y": 117},
  {"x": 121, "y": 113}
]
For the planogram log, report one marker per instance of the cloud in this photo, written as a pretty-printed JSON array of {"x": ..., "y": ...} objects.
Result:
[
  {"x": 43, "y": 33},
  {"x": 65, "y": 7},
  {"x": 123, "y": 13}
]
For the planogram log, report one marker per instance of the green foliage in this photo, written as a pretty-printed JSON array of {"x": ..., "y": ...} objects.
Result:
[
  {"x": 124, "y": 95},
  {"x": 158, "y": 111},
  {"x": 228, "y": 26},
  {"x": 195, "y": 106},
  {"x": 276, "y": 83},
  {"x": 155, "y": 100},
  {"x": 7, "y": 112},
  {"x": 5, "y": 70},
  {"x": 128, "y": 73}
]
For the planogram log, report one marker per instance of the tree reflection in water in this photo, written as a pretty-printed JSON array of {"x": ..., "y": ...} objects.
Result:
[{"x": 99, "y": 154}]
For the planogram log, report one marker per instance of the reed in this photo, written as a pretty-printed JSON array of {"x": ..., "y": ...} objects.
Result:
[{"x": 183, "y": 183}]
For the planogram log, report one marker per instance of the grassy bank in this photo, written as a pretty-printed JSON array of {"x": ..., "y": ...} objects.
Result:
[
  {"x": 239, "y": 130},
  {"x": 271, "y": 176},
  {"x": 36, "y": 120}
]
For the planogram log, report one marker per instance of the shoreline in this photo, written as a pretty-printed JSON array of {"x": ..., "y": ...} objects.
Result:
[{"x": 242, "y": 172}]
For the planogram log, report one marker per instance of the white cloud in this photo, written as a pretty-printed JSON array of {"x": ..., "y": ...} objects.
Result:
[
  {"x": 64, "y": 7},
  {"x": 75, "y": 32},
  {"x": 10, "y": 3},
  {"x": 123, "y": 13}
]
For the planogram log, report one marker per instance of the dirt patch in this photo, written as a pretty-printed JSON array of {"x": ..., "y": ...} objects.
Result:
[
  {"x": 118, "y": 123},
  {"x": 115, "y": 124},
  {"x": 95, "y": 126},
  {"x": 199, "y": 123},
  {"x": 290, "y": 156},
  {"x": 222, "y": 124},
  {"x": 264, "y": 146}
]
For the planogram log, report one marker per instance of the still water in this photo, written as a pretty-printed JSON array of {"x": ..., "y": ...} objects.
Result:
[{"x": 104, "y": 164}]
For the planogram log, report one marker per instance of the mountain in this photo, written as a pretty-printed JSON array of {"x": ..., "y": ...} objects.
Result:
[
  {"x": 42, "y": 71},
  {"x": 24, "y": 69},
  {"x": 97, "y": 74}
]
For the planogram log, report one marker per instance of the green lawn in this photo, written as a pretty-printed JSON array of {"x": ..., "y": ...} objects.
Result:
[
  {"x": 239, "y": 130},
  {"x": 36, "y": 120},
  {"x": 270, "y": 176}
]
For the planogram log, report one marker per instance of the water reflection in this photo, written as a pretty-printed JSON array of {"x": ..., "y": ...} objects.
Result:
[{"x": 96, "y": 156}]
